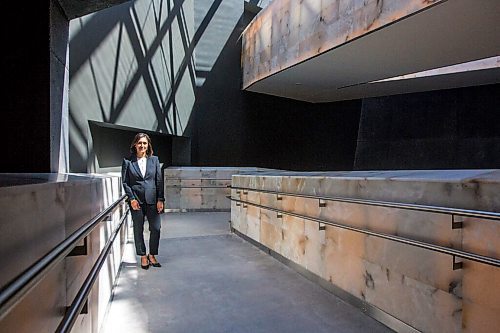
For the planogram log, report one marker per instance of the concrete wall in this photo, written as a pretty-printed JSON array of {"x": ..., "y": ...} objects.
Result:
[{"x": 130, "y": 65}]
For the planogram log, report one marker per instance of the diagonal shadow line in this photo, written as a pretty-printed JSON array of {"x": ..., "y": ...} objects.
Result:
[
  {"x": 96, "y": 87},
  {"x": 158, "y": 25},
  {"x": 115, "y": 72},
  {"x": 156, "y": 43},
  {"x": 144, "y": 63},
  {"x": 80, "y": 133},
  {"x": 91, "y": 35},
  {"x": 189, "y": 52},
  {"x": 137, "y": 39},
  {"x": 185, "y": 37},
  {"x": 81, "y": 136},
  {"x": 162, "y": 49},
  {"x": 163, "y": 57},
  {"x": 172, "y": 75},
  {"x": 165, "y": 67}
]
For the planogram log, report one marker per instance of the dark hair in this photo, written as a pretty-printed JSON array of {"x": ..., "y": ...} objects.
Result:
[{"x": 137, "y": 137}]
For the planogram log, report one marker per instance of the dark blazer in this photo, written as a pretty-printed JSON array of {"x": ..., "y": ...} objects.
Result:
[{"x": 147, "y": 189}]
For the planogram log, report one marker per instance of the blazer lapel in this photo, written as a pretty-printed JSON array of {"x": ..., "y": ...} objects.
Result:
[
  {"x": 135, "y": 165},
  {"x": 148, "y": 166}
]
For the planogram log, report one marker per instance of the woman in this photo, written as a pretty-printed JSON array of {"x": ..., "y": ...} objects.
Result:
[{"x": 143, "y": 185}]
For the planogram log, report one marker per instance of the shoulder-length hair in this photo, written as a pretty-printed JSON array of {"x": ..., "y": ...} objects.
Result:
[{"x": 137, "y": 137}]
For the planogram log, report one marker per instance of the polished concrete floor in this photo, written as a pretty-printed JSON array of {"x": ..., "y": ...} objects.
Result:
[{"x": 214, "y": 281}]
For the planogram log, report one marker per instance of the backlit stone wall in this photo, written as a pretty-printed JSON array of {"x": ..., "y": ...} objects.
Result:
[
  {"x": 200, "y": 188},
  {"x": 417, "y": 286},
  {"x": 289, "y": 31}
]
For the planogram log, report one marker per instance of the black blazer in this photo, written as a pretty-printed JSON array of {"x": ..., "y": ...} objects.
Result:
[{"x": 147, "y": 189}]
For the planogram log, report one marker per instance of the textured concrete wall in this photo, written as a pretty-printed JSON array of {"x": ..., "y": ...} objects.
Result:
[{"x": 130, "y": 65}]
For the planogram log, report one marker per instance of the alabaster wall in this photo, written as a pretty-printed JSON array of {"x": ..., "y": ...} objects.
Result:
[
  {"x": 288, "y": 31},
  {"x": 40, "y": 211},
  {"x": 200, "y": 188},
  {"x": 414, "y": 285}
]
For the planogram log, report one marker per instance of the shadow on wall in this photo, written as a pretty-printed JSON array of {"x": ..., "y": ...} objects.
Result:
[{"x": 132, "y": 65}]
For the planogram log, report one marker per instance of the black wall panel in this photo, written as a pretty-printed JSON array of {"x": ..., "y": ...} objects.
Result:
[
  {"x": 26, "y": 84},
  {"x": 446, "y": 129},
  {"x": 112, "y": 143},
  {"x": 236, "y": 128}
]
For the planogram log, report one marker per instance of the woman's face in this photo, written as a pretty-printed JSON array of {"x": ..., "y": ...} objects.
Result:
[{"x": 141, "y": 146}]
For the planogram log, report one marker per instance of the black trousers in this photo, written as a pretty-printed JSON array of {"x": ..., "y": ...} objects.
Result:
[{"x": 154, "y": 221}]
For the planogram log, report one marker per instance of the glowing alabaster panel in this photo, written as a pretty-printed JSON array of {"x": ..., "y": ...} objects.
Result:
[
  {"x": 293, "y": 243},
  {"x": 315, "y": 247},
  {"x": 418, "y": 304},
  {"x": 237, "y": 218},
  {"x": 270, "y": 230},
  {"x": 253, "y": 222},
  {"x": 480, "y": 289},
  {"x": 290, "y": 31},
  {"x": 200, "y": 188},
  {"x": 417, "y": 286}
]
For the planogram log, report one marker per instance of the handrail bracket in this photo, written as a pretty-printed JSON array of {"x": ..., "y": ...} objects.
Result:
[
  {"x": 457, "y": 222},
  {"x": 79, "y": 250},
  {"x": 457, "y": 265}
]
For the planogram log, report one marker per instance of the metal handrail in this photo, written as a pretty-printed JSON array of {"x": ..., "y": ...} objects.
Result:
[
  {"x": 79, "y": 301},
  {"x": 400, "y": 205},
  {"x": 14, "y": 292},
  {"x": 453, "y": 252},
  {"x": 227, "y": 179},
  {"x": 175, "y": 186}
]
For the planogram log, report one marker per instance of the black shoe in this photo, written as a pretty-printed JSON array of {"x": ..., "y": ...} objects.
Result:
[
  {"x": 145, "y": 266},
  {"x": 154, "y": 264}
]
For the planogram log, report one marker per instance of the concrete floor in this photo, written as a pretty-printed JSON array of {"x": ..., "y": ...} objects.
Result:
[{"x": 214, "y": 281}]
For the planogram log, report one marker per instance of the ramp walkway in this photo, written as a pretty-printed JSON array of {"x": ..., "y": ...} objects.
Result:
[{"x": 214, "y": 281}]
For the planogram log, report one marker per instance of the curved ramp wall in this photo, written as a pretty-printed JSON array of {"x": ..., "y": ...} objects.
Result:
[{"x": 406, "y": 287}]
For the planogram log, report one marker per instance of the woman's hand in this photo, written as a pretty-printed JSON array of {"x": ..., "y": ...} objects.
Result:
[
  {"x": 159, "y": 206},
  {"x": 135, "y": 204}
]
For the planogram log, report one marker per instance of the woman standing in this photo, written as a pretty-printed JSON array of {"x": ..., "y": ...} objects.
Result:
[{"x": 143, "y": 185}]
